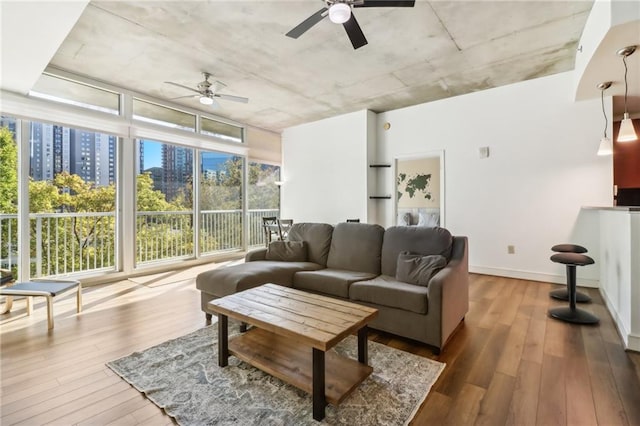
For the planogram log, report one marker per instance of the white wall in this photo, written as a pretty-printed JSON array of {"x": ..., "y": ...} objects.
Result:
[
  {"x": 325, "y": 169},
  {"x": 264, "y": 146},
  {"x": 542, "y": 168}
]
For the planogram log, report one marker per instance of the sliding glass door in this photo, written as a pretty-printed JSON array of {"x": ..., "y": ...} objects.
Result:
[
  {"x": 164, "y": 199},
  {"x": 221, "y": 219}
]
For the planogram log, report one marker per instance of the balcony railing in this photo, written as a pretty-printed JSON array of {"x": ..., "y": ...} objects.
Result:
[
  {"x": 163, "y": 235},
  {"x": 8, "y": 240},
  {"x": 68, "y": 243}
]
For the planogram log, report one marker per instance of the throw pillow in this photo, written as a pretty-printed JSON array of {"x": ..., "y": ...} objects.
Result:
[
  {"x": 287, "y": 251},
  {"x": 404, "y": 219},
  {"x": 417, "y": 269},
  {"x": 428, "y": 219}
]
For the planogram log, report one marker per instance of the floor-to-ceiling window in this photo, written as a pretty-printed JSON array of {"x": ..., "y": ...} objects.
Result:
[
  {"x": 164, "y": 202},
  {"x": 72, "y": 200},
  {"x": 91, "y": 211},
  {"x": 221, "y": 177}
]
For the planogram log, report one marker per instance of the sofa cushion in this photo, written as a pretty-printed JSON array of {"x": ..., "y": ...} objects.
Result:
[
  {"x": 334, "y": 282},
  {"x": 387, "y": 291},
  {"x": 318, "y": 239},
  {"x": 418, "y": 269},
  {"x": 356, "y": 247},
  {"x": 224, "y": 281},
  {"x": 414, "y": 239},
  {"x": 287, "y": 251}
]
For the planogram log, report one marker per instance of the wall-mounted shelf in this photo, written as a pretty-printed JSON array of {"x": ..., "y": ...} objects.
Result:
[
  {"x": 379, "y": 165},
  {"x": 380, "y": 197}
]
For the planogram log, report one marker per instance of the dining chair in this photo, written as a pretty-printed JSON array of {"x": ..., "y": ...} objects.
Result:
[
  {"x": 283, "y": 227},
  {"x": 271, "y": 229}
]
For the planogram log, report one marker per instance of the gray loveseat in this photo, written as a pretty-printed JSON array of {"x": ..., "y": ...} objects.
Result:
[{"x": 358, "y": 262}]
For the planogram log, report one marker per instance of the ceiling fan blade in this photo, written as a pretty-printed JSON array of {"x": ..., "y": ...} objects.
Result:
[
  {"x": 308, "y": 23},
  {"x": 386, "y": 3},
  {"x": 182, "y": 86},
  {"x": 355, "y": 32},
  {"x": 232, "y": 98},
  {"x": 218, "y": 85},
  {"x": 184, "y": 97}
]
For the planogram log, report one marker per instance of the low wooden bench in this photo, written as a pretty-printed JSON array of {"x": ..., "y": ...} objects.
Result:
[{"x": 44, "y": 288}]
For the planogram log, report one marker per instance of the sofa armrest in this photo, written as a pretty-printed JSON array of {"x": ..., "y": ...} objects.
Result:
[
  {"x": 257, "y": 254},
  {"x": 449, "y": 290}
]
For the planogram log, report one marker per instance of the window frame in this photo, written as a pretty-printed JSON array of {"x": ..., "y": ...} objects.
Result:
[{"x": 31, "y": 108}]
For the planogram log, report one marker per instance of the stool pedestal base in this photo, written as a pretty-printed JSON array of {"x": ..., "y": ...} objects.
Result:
[
  {"x": 563, "y": 294},
  {"x": 576, "y": 316}
]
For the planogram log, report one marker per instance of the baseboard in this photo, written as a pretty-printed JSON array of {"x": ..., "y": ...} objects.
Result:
[
  {"x": 634, "y": 343},
  {"x": 629, "y": 340},
  {"x": 532, "y": 276}
]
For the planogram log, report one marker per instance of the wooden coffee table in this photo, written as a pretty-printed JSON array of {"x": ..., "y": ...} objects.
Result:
[{"x": 293, "y": 333}]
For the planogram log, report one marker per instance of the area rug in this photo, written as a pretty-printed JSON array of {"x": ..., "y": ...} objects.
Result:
[{"x": 182, "y": 377}]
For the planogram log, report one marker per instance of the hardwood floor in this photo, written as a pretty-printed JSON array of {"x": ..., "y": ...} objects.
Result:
[
  {"x": 508, "y": 364},
  {"x": 511, "y": 364}
]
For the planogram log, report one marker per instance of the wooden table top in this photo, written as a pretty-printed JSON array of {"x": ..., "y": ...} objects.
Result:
[{"x": 311, "y": 319}]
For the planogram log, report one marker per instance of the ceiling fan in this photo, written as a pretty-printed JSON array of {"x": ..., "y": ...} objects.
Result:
[
  {"x": 207, "y": 91},
  {"x": 339, "y": 12}
]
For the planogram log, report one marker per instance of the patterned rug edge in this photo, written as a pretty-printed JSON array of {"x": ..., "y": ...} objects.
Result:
[{"x": 122, "y": 374}]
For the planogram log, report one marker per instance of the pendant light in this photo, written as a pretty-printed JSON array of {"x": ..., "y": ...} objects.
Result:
[
  {"x": 605, "y": 148},
  {"x": 627, "y": 133}
]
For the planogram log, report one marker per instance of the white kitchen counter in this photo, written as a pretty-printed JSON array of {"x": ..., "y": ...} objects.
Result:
[{"x": 620, "y": 268}]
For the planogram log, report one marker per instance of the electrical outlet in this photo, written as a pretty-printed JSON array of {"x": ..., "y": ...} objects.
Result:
[{"x": 511, "y": 249}]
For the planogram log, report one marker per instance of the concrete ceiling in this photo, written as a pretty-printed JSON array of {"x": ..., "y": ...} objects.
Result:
[{"x": 433, "y": 51}]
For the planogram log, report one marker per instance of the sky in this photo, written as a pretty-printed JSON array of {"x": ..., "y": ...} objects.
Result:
[{"x": 152, "y": 154}]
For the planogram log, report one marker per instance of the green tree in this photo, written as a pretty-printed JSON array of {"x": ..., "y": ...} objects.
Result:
[
  {"x": 147, "y": 198},
  {"x": 263, "y": 193},
  {"x": 43, "y": 196},
  {"x": 8, "y": 196},
  {"x": 8, "y": 172},
  {"x": 225, "y": 192},
  {"x": 76, "y": 195},
  {"x": 161, "y": 236}
]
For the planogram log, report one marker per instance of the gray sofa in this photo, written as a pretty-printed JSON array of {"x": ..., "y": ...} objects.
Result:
[{"x": 358, "y": 262}]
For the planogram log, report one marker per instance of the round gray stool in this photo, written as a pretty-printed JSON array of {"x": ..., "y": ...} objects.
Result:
[
  {"x": 563, "y": 294},
  {"x": 571, "y": 313}
]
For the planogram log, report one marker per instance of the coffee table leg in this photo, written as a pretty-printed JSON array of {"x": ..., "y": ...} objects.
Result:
[
  {"x": 363, "y": 353},
  {"x": 319, "y": 401},
  {"x": 223, "y": 341}
]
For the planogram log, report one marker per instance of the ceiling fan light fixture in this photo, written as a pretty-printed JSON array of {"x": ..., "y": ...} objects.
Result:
[
  {"x": 339, "y": 13},
  {"x": 205, "y": 100}
]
